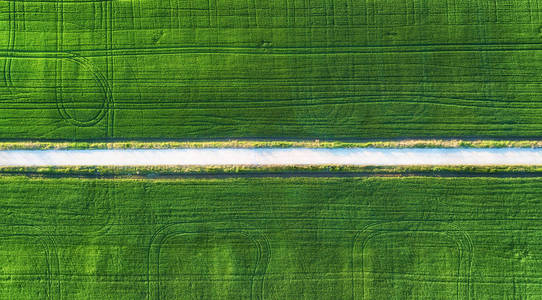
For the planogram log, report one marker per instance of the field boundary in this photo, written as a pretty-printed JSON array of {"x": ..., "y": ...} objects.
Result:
[
  {"x": 224, "y": 172},
  {"x": 255, "y": 143}
]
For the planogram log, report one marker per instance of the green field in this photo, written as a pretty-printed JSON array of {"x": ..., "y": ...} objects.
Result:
[
  {"x": 104, "y": 74},
  {"x": 281, "y": 238},
  {"x": 329, "y": 69}
]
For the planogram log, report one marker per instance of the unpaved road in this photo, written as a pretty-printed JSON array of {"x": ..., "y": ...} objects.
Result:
[{"x": 276, "y": 157}]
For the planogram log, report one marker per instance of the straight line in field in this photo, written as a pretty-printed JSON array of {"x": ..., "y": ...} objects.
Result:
[{"x": 367, "y": 49}]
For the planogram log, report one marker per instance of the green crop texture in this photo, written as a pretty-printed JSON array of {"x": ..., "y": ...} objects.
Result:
[
  {"x": 281, "y": 238},
  {"x": 330, "y": 69}
]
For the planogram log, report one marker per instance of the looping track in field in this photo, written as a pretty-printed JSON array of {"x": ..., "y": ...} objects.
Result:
[
  {"x": 100, "y": 79},
  {"x": 259, "y": 240},
  {"x": 59, "y": 55},
  {"x": 104, "y": 87},
  {"x": 461, "y": 239},
  {"x": 51, "y": 263}
]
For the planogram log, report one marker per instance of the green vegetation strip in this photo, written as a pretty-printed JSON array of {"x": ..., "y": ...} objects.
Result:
[
  {"x": 157, "y": 172},
  {"x": 271, "y": 238},
  {"x": 429, "y": 143}
]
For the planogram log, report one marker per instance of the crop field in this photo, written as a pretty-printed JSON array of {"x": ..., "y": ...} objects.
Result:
[
  {"x": 162, "y": 74},
  {"x": 329, "y": 69},
  {"x": 271, "y": 238}
]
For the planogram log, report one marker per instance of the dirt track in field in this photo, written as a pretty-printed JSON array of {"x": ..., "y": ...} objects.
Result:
[{"x": 275, "y": 157}]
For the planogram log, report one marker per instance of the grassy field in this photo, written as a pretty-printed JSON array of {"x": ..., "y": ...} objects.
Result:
[
  {"x": 274, "y": 238},
  {"x": 329, "y": 69}
]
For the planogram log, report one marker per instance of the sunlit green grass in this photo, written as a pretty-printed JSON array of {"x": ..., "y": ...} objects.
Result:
[
  {"x": 327, "y": 69},
  {"x": 281, "y": 238}
]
